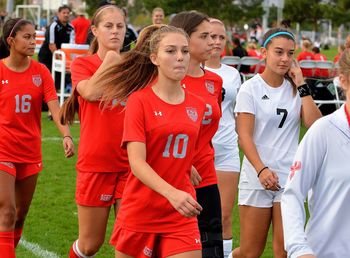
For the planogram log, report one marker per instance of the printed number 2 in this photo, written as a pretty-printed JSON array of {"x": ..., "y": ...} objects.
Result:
[
  {"x": 177, "y": 153},
  {"x": 208, "y": 112},
  {"x": 285, "y": 113},
  {"x": 23, "y": 104}
]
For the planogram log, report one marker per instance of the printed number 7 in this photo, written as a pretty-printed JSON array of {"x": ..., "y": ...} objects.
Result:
[{"x": 285, "y": 113}]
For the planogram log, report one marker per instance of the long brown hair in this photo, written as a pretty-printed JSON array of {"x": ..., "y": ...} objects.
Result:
[
  {"x": 71, "y": 105},
  {"x": 135, "y": 71}
]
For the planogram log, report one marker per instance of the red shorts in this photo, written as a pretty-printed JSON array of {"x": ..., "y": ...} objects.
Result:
[
  {"x": 160, "y": 245},
  {"x": 99, "y": 189},
  {"x": 21, "y": 170}
]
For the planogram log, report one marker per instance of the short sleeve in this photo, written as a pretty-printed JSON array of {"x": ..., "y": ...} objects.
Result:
[
  {"x": 80, "y": 70},
  {"x": 245, "y": 101},
  {"x": 49, "y": 90},
  {"x": 134, "y": 121}
]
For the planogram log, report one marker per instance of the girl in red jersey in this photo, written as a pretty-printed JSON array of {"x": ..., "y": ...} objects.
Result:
[
  {"x": 207, "y": 85},
  {"x": 102, "y": 166},
  {"x": 24, "y": 85},
  {"x": 157, "y": 217}
]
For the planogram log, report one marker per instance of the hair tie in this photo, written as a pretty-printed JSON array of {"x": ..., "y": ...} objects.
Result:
[
  {"x": 14, "y": 26},
  {"x": 279, "y": 33}
]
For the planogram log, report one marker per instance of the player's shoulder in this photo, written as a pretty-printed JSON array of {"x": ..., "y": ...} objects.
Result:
[{"x": 209, "y": 75}]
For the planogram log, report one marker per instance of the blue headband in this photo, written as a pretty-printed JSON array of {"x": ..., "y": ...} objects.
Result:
[{"x": 278, "y": 34}]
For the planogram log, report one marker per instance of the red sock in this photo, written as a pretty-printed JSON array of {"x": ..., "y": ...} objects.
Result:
[
  {"x": 7, "y": 249},
  {"x": 17, "y": 235},
  {"x": 72, "y": 253}
]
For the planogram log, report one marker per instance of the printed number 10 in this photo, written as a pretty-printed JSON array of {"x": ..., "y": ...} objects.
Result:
[{"x": 177, "y": 153}]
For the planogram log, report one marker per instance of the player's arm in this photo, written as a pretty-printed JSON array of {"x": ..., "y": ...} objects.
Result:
[
  {"x": 52, "y": 44},
  {"x": 183, "y": 202},
  {"x": 309, "y": 111},
  {"x": 245, "y": 123},
  {"x": 304, "y": 172},
  {"x": 68, "y": 144},
  {"x": 88, "y": 89}
]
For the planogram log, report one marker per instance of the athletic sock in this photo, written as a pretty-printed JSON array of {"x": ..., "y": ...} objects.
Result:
[
  {"x": 17, "y": 235},
  {"x": 74, "y": 252},
  {"x": 7, "y": 249},
  {"x": 227, "y": 247}
]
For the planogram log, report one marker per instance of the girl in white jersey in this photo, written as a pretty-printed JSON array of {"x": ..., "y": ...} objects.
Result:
[
  {"x": 227, "y": 163},
  {"x": 269, "y": 107},
  {"x": 321, "y": 171}
]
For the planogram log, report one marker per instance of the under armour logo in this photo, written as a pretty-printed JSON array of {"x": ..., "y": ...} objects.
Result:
[
  {"x": 198, "y": 241},
  {"x": 4, "y": 82},
  {"x": 158, "y": 113},
  {"x": 265, "y": 97}
]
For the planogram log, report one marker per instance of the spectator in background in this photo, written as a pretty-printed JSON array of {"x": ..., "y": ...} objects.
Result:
[
  {"x": 341, "y": 49},
  {"x": 158, "y": 15},
  {"x": 240, "y": 51},
  {"x": 60, "y": 31},
  {"x": 81, "y": 26},
  {"x": 130, "y": 34},
  {"x": 306, "y": 54},
  {"x": 319, "y": 57},
  {"x": 254, "y": 52},
  {"x": 286, "y": 24}
]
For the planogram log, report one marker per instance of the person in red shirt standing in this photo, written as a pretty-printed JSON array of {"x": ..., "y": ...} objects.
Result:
[
  {"x": 306, "y": 54},
  {"x": 25, "y": 83},
  {"x": 207, "y": 85},
  {"x": 81, "y": 27},
  {"x": 157, "y": 216},
  {"x": 320, "y": 57},
  {"x": 102, "y": 166}
]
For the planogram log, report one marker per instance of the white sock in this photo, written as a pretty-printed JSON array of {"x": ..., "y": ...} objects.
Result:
[
  {"x": 227, "y": 247},
  {"x": 78, "y": 252}
]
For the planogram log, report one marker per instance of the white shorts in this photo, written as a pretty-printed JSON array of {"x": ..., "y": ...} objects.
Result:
[
  {"x": 259, "y": 198},
  {"x": 227, "y": 159}
]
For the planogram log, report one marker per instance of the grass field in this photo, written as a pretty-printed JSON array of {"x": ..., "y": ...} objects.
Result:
[{"x": 51, "y": 225}]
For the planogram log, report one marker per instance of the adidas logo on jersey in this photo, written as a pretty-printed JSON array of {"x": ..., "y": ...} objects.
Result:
[
  {"x": 4, "y": 82},
  {"x": 159, "y": 113},
  {"x": 265, "y": 97}
]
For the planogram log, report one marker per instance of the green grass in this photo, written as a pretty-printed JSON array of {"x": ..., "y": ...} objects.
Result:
[{"x": 52, "y": 219}]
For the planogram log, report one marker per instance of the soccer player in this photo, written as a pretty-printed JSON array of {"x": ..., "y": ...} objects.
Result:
[
  {"x": 25, "y": 83},
  {"x": 269, "y": 108},
  {"x": 306, "y": 54},
  {"x": 227, "y": 162},
  {"x": 207, "y": 85},
  {"x": 157, "y": 217},
  {"x": 102, "y": 166},
  {"x": 321, "y": 171}
]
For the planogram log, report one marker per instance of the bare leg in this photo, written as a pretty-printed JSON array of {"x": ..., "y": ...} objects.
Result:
[{"x": 277, "y": 226}]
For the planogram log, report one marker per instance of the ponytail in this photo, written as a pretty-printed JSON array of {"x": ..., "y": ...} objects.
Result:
[{"x": 68, "y": 110}]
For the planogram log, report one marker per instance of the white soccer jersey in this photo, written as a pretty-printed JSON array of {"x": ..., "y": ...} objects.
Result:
[
  {"x": 276, "y": 131},
  {"x": 226, "y": 134},
  {"x": 321, "y": 166}
]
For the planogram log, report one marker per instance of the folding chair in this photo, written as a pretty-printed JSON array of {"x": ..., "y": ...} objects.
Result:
[
  {"x": 250, "y": 61},
  {"x": 59, "y": 65},
  {"x": 39, "y": 40},
  {"x": 308, "y": 64},
  {"x": 73, "y": 51},
  {"x": 231, "y": 60},
  {"x": 324, "y": 68}
]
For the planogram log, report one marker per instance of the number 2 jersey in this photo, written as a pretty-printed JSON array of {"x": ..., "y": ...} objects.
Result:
[
  {"x": 209, "y": 88},
  {"x": 276, "y": 127},
  {"x": 21, "y": 97},
  {"x": 170, "y": 133}
]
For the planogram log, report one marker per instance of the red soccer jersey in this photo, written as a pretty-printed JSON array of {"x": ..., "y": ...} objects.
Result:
[
  {"x": 21, "y": 96},
  {"x": 321, "y": 72},
  {"x": 208, "y": 87},
  {"x": 170, "y": 133},
  {"x": 101, "y": 131},
  {"x": 305, "y": 55},
  {"x": 81, "y": 27}
]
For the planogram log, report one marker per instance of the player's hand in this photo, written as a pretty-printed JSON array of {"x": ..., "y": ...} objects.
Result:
[
  {"x": 269, "y": 180},
  {"x": 68, "y": 147},
  {"x": 184, "y": 203},
  {"x": 307, "y": 256},
  {"x": 195, "y": 177},
  {"x": 296, "y": 74}
]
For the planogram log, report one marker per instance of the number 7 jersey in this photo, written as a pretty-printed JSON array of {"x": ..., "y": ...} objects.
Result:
[
  {"x": 276, "y": 127},
  {"x": 170, "y": 133},
  {"x": 21, "y": 96}
]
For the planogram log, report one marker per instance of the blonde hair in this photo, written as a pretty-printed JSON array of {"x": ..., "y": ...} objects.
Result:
[
  {"x": 306, "y": 43},
  {"x": 251, "y": 45},
  {"x": 97, "y": 18}
]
